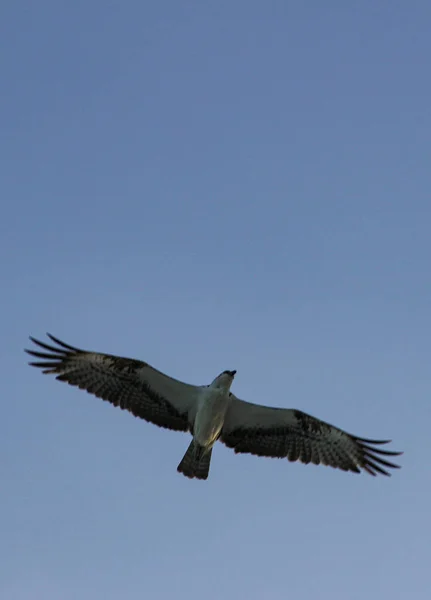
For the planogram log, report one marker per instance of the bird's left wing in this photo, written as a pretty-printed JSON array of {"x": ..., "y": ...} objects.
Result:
[
  {"x": 292, "y": 434},
  {"x": 131, "y": 384}
]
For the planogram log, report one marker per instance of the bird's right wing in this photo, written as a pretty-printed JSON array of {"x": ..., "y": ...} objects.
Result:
[
  {"x": 292, "y": 434},
  {"x": 131, "y": 384}
]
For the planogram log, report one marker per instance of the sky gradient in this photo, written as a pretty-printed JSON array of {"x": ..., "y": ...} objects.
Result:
[{"x": 207, "y": 186}]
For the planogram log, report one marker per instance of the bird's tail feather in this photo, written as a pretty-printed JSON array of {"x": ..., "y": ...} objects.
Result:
[{"x": 196, "y": 461}]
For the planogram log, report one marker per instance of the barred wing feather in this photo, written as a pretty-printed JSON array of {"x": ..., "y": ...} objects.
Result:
[
  {"x": 130, "y": 384},
  {"x": 295, "y": 435}
]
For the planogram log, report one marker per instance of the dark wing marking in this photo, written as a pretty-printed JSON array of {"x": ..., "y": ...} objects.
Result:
[
  {"x": 131, "y": 384},
  {"x": 292, "y": 434}
]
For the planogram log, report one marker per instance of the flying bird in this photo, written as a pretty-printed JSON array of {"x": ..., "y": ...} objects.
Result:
[{"x": 210, "y": 413}]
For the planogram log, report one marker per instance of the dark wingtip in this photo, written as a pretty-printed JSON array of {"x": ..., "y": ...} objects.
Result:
[
  {"x": 62, "y": 344},
  {"x": 32, "y": 339},
  {"x": 373, "y": 461},
  {"x": 367, "y": 441}
]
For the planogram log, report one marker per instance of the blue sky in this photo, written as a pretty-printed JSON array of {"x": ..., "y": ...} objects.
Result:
[{"x": 207, "y": 186}]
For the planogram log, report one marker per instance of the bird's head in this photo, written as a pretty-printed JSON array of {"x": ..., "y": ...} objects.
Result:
[{"x": 224, "y": 380}]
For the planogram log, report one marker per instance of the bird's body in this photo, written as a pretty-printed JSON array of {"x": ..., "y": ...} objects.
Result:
[
  {"x": 212, "y": 406},
  {"x": 210, "y": 413}
]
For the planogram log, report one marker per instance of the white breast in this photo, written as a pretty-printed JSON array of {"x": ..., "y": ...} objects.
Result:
[{"x": 210, "y": 416}]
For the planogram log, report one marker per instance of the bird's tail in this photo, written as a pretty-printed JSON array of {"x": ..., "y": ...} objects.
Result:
[{"x": 196, "y": 461}]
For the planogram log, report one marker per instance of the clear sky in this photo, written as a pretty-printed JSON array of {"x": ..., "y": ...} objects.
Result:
[{"x": 207, "y": 186}]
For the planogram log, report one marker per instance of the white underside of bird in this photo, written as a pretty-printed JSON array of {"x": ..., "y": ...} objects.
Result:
[{"x": 212, "y": 405}]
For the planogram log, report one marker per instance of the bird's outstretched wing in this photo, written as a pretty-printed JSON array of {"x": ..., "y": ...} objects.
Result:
[
  {"x": 131, "y": 384},
  {"x": 292, "y": 434}
]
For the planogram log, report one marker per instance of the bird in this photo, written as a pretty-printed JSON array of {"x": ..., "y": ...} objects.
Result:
[{"x": 210, "y": 413}]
